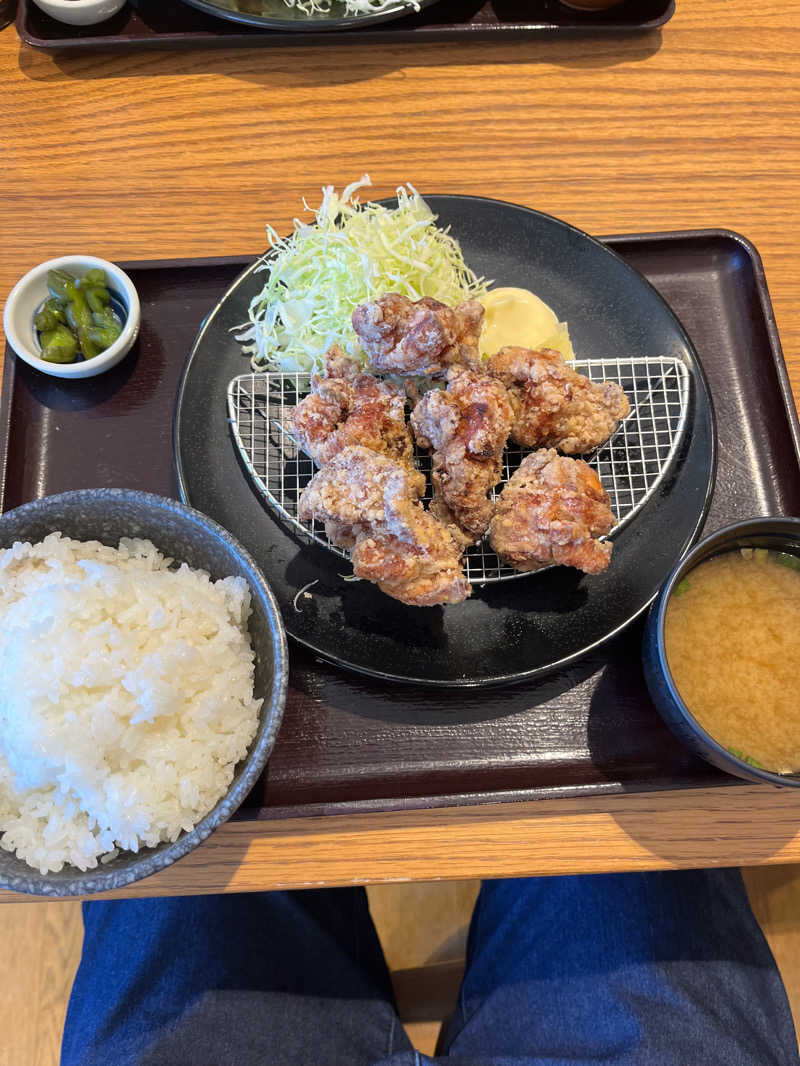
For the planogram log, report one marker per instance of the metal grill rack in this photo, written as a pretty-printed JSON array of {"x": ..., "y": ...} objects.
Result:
[{"x": 630, "y": 465}]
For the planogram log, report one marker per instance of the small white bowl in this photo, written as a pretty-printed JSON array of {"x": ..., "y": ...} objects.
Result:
[
  {"x": 80, "y": 12},
  {"x": 29, "y": 294}
]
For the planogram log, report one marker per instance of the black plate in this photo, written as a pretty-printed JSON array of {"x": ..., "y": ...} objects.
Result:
[
  {"x": 275, "y": 15},
  {"x": 506, "y": 631}
]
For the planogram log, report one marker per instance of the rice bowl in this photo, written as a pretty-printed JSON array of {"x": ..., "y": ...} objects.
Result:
[
  {"x": 128, "y": 737},
  {"x": 126, "y": 698}
]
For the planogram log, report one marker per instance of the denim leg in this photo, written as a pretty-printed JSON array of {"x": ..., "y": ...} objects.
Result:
[
  {"x": 657, "y": 969},
  {"x": 233, "y": 980}
]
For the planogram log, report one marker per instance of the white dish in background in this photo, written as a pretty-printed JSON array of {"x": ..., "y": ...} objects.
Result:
[
  {"x": 30, "y": 292},
  {"x": 80, "y": 12}
]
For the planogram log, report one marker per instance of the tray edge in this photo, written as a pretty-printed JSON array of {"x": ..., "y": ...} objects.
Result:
[
  {"x": 443, "y": 801},
  {"x": 307, "y": 38}
]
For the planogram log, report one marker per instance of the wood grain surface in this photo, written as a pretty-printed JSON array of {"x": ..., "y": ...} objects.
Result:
[
  {"x": 741, "y": 825},
  {"x": 191, "y": 153}
]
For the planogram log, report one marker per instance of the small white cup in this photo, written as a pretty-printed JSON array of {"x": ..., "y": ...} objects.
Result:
[
  {"x": 30, "y": 292},
  {"x": 80, "y": 12}
]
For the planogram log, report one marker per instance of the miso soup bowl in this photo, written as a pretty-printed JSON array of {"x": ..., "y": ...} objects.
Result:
[{"x": 777, "y": 534}]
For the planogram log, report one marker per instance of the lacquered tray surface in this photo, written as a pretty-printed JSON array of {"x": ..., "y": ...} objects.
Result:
[
  {"x": 353, "y": 743},
  {"x": 153, "y": 24}
]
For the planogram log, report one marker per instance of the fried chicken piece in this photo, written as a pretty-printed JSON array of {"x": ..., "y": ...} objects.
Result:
[
  {"x": 346, "y": 406},
  {"x": 422, "y": 573},
  {"x": 549, "y": 512},
  {"x": 370, "y": 503},
  {"x": 467, "y": 427},
  {"x": 555, "y": 406},
  {"x": 403, "y": 337},
  {"x": 338, "y": 364},
  {"x": 360, "y": 490}
]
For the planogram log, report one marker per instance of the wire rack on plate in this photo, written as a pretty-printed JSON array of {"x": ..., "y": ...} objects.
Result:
[{"x": 631, "y": 464}]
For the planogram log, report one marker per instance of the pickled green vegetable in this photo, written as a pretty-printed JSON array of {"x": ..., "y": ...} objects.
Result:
[
  {"x": 94, "y": 278},
  {"x": 49, "y": 317},
  {"x": 57, "y": 281},
  {"x": 59, "y": 345},
  {"x": 105, "y": 317},
  {"x": 103, "y": 336},
  {"x": 97, "y": 298},
  {"x": 79, "y": 306},
  {"x": 77, "y": 319},
  {"x": 89, "y": 348}
]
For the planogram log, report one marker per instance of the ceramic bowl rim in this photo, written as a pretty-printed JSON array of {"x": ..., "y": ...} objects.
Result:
[
  {"x": 86, "y": 882},
  {"x": 26, "y": 349},
  {"x": 85, "y": 4},
  {"x": 727, "y": 535},
  {"x": 82, "y": 5}
]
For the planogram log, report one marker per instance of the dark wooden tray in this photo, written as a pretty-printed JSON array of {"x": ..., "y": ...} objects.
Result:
[
  {"x": 351, "y": 743},
  {"x": 154, "y": 24}
]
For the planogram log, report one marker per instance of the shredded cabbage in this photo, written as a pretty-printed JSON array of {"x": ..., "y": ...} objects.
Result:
[{"x": 349, "y": 253}]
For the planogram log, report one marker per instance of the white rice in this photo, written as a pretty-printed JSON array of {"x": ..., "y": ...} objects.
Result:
[{"x": 126, "y": 698}]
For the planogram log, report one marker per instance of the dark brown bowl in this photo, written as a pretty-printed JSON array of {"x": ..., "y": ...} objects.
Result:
[{"x": 778, "y": 534}]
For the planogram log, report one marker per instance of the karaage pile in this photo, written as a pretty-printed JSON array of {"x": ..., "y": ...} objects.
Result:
[{"x": 367, "y": 492}]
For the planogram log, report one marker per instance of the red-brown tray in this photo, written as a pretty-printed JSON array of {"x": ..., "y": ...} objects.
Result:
[
  {"x": 154, "y": 24},
  {"x": 348, "y": 742}
]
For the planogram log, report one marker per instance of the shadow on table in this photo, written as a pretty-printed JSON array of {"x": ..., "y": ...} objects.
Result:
[
  {"x": 763, "y": 832},
  {"x": 629, "y": 742}
]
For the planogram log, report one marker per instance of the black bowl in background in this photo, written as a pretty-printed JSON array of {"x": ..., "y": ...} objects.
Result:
[
  {"x": 188, "y": 536},
  {"x": 777, "y": 534}
]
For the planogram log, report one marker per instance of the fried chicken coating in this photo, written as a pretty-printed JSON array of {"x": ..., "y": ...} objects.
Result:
[
  {"x": 403, "y": 337},
  {"x": 549, "y": 512},
  {"x": 360, "y": 490},
  {"x": 422, "y": 573},
  {"x": 467, "y": 427},
  {"x": 345, "y": 407},
  {"x": 370, "y": 503},
  {"x": 554, "y": 406}
]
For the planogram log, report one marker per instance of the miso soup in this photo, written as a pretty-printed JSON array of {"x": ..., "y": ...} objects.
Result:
[{"x": 732, "y": 638}]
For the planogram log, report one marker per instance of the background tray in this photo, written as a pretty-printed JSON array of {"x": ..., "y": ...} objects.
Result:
[
  {"x": 153, "y": 24},
  {"x": 349, "y": 742}
]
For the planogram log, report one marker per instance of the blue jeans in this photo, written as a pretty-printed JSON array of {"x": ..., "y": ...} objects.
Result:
[{"x": 649, "y": 969}]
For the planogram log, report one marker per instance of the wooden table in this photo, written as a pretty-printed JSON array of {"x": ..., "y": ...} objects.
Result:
[{"x": 190, "y": 153}]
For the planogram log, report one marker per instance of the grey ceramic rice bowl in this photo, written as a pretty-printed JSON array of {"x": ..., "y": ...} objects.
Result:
[{"x": 188, "y": 536}]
